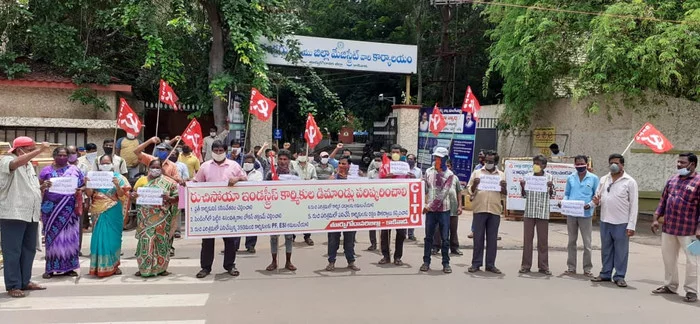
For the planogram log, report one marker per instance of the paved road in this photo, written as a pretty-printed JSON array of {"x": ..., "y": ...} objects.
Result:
[{"x": 377, "y": 294}]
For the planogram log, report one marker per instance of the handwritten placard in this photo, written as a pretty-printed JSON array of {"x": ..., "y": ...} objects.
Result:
[
  {"x": 64, "y": 185},
  {"x": 149, "y": 196},
  {"x": 572, "y": 208},
  {"x": 100, "y": 180},
  {"x": 489, "y": 182},
  {"x": 354, "y": 171},
  {"x": 536, "y": 183},
  {"x": 399, "y": 168}
]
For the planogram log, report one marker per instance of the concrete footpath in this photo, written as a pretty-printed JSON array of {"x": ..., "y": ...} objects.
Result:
[{"x": 376, "y": 294}]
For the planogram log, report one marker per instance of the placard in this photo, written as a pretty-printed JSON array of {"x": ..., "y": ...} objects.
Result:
[
  {"x": 489, "y": 182},
  {"x": 149, "y": 196},
  {"x": 100, "y": 179},
  {"x": 288, "y": 207},
  {"x": 536, "y": 183},
  {"x": 354, "y": 171},
  {"x": 517, "y": 170},
  {"x": 64, "y": 185},
  {"x": 399, "y": 168},
  {"x": 573, "y": 208}
]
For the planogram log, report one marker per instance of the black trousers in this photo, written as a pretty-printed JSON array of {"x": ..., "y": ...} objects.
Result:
[
  {"x": 250, "y": 242},
  {"x": 206, "y": 257},
  {"x": 454, "y": 239},
  {"x": 373, "y": 237},
  {"x": 385, "y": 239}
]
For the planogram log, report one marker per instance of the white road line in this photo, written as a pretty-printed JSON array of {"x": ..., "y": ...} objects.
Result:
[
  {"x": 85, "y": 263},
  {"x": 126, "y": 279},
  {"x": 102, "y": 302},
  {"x": 151, "y": 322}
]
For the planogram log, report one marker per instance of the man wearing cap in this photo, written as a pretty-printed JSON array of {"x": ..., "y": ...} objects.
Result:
[
  {"x": 162, "y": 151},
  {"x": 20, "y": 202},
  {"x": 324, "y": 170},
  {"x": 438, "y": 180}
]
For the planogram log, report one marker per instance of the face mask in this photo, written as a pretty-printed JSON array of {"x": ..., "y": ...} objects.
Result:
[
  {"x": 218, "y": 157},
  {"x": 247, "y": 167},
  {"x": 154, "y": 172},
  {"x": 130, "y": 136},
  {"x": 683, "y": 172},
  {"x": 91, "y": 157},
  {"x": 403, "y": 158},
  {"x": 536, "y": 168},
  {"x": 324, "y": 160},
  {"x": 108, "y": 150},
  {"x": 105, "y": 167},
  {"x": 412, "y": 164},
  {"x": 61, "y": 161},
  {"x": 212, "y": 134},
  {"x": 490, "y": 166},
  {"x": 303, "y": 159},
  {"x": 72, "y": 158},
  {"x": 395, "y": 156},
  {"x": 581, "y": 168},
  {"x": 614, "y": 168},
  {"x": 162, "y": 155}
]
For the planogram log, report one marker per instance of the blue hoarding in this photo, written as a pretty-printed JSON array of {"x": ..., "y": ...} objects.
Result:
[{"x": 458, "y": 137}]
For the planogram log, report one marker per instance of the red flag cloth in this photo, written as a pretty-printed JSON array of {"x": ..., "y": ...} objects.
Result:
[
  {"x": 273, "y": 169},
  {"x": 261, "y": 106},
  {"x": 437, "y": 121},
  {"x": 127, "y": 119},
  {"x": 312, "y": 135},
  {"x": 192, "y": 137},
  {"x": 167, "y": 95},
  {"x": 386, "y": 166},
  {"x": 471, "y": 104},
  {"x": 653, "y": 138}
]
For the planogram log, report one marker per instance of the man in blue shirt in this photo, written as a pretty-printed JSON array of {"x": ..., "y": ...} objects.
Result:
[{"x": 581, "y": 186}]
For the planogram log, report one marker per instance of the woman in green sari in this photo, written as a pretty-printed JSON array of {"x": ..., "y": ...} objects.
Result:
[
  {"x": 154, "y": 224},
  {"x": 106, "y": 210}
]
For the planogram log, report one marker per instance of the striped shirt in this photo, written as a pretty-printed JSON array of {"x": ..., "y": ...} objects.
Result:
[{"x": 537, "y": 203}]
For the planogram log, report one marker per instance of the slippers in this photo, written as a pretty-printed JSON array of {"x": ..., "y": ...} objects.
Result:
[
  {"x": 663, "y": 290},
  {"x": 34, "y": 286},
  {"x": 16, "y": 293}
]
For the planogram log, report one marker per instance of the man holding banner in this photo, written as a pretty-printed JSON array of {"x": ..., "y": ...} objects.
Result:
[
  {"x": 385, "y": 235},
  {"x": 537, "y": 189},
  {"x": 282, "y": 171},
  {"x": 580, "y": 186},
  {"x": 348, "y": 236}
]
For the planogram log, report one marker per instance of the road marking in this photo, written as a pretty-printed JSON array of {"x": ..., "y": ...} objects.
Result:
[
  {"x": 87, "y": 280},
  {"x": 150, "y": 322},
  {"x": 103, "y": 302},
  {"x": 39, "y": 265}
]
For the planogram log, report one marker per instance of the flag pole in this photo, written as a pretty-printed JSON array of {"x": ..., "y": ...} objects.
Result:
[
  {"x": 628, "y": 146},
  {"x": 157, "y": 122},
  {"x": 245, "y": 133},
  {"x": 173, "y": 150}
]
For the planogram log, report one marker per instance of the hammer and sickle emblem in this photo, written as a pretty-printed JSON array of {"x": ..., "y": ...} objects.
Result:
[
  {"x": 130, "y": 122},
  {"x": 312, "y": 134},
  {"x": 262, "y": 107},
  {"x": 194, "y": 138},
  {"x": 434, "y": 120},
  {"x": 654, "y": 140}
]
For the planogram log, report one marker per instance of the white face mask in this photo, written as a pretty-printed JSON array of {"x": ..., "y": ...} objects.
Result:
[
  {"x": 247, "y": 167},
  {"x": 324, "y": 160},
  {"x": 130, "y": 136},
  {"x": 105, "y": 167},
  {"x": 155, "y": 172},
  {"x": 218, "y": 157},
  {"x": 489, "y": 166},
  {"x": 303, "y": 159},
  {"x": 683, "y": 172},
  {"x": 91, "y": 157},
  {"x": 236, "y": 150}
]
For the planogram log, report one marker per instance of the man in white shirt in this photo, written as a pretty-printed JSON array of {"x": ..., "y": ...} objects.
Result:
[
  {"x": 306, "y": 171},
  {"x": 617, "y": 197},
  {"x": 88, "y": 162}
]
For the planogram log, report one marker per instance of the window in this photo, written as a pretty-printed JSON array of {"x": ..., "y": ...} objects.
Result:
[{"x": 65, "y": 136}]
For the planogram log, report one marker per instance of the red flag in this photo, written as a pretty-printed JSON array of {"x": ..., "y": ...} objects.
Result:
[
  {"x": 192, "y": 137},
  {"x": 386, "y": 166},
  {"x": 471, "y": 104},
  {"x": 273, "y": 169},
  {"x": 312, "y": 135},
  {"x": 653, "y": 138},
  {"x": 128, "y": 120},
  {"x": 167, "y": 95},
  {"x": 261, "y": 106},
  {"x": 437, "y": 122}
]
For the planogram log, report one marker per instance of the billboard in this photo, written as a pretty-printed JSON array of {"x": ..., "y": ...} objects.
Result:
[{"x": 458, "y": 137}]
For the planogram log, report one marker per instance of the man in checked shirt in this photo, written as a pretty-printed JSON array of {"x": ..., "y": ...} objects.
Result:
[{"x": 679, "y": 206}]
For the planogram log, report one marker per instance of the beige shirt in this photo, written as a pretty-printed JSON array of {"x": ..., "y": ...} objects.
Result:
[
  {"x": 486, "y": 201},
  {"x": 20, "y": 196},
  {"x": 307, "y": 172},
  {"x": 619, "y": 200}
]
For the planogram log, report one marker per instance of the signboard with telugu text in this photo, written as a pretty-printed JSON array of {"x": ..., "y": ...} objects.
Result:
[
  {"x": 289, "y": 207},
  {"x": 543, "y": 137},
  {"x": 517, "y": 170}
]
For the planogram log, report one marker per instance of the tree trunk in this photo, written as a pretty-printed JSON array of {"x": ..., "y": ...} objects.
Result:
[
  {"x": 445, "y": 56},
  {"x": 419, "y": 38},
  {"x": 216, "y": 59}
]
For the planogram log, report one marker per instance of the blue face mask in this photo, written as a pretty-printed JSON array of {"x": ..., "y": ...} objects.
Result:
[{"x": 162, "y": 155}]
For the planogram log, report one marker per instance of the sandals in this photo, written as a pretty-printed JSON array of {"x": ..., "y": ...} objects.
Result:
[
  {"x": 330, "y": 266},
  {"x": 290, "y": 267},
  {"x": 16, "y": 293},
  {"x": 473, "y": 269},
  {"x": 545, "y": 272},
  {"x": 524, "y": 270},
  {"x": 353, "y": 267},
  {"x": 309, "y": 241},
  {"x": 138, "y": 274},
  {"x": 621, "y": 283},
  {"x": 447, "y": 269},
  {"x": 599, "y": 279},
  {"x": 384, "y": 261},
  {"x": 372, "y": 247},
  {"x": 398, "y": 262},
  {"x": 690, "y": 297},
  {"x": 272, "y": 266},
  {"x": 118, "y": 272},
  {"x": 47, "y": 275},
  {"x": 164, "y": 274},
  {"x": 202, "y": 273},
  {"x": 71, "y": 274},
  {"x": 570, "y": 272},
  {"x": 425, "y": 267},
  {"x": 494, "y": 270},
  {"x": 663, "y": 290},
  {"x": 34, "y": 286},
  {"x": 234, "y": 272}
]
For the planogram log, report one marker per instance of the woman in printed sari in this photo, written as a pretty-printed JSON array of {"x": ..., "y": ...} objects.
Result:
[
  {"x": 106, "y": 211},
  {"x": 61, "y": 228},
  {"x": 154, "y": 224}
]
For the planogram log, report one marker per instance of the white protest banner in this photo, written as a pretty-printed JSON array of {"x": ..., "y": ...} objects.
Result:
[
  {"x": 149, "y": 196},
  {"x": 535, "y": 183},
  {"x": 288, "y": 177},
  {"x": 572, "y": 208},
  {"x": 63, "y": 185},
  {"x": 286, "y": 207},
  {"x": 489, "y": 182},
  {"x": 517, "y": 170},
  {"x": 399, "y": 168},
  {"x": 100, "y": 179}
]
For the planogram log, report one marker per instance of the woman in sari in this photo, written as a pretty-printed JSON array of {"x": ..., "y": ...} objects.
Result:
[
  {"x": 61, "y": 228},
  {"x": 106, "y": 211},
  {"x": 154, "y": 224}
]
